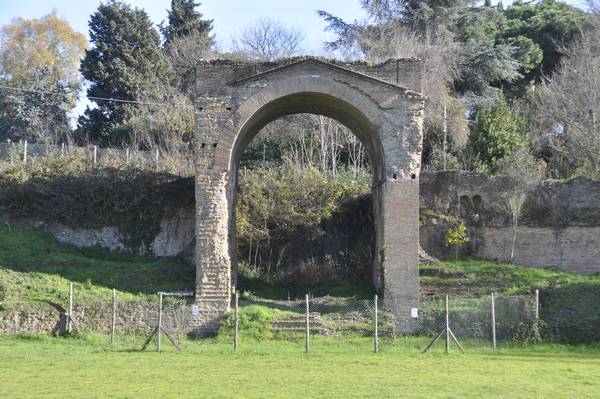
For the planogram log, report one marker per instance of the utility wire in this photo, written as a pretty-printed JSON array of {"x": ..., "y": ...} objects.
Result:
[{"x": 117, "y": 100}]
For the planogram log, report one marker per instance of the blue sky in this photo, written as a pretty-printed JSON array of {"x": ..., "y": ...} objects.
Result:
[{"x": 229, "y": 15}]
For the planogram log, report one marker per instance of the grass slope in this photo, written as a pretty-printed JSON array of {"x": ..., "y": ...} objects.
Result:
[
  {"x": 36, "y": 268},
  {"x": 42, "y": 366},
  {"x": 473, "y": 277}
]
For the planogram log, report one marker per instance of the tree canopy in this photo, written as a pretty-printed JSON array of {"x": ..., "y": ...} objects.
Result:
[
  {"x": 124, "y": 60},
  {"x": 184, "y": 20},
  {"x": 38, "y": 55}
]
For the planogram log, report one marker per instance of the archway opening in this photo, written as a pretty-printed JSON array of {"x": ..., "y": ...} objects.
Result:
[{"x": 302, "y": 219}]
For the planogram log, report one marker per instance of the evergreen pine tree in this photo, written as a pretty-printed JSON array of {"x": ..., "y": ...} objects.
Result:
[
  {"x": 125, "y": 58},
  {"x": 487, "y": 3},
  {"x": 184, "y": 20}
]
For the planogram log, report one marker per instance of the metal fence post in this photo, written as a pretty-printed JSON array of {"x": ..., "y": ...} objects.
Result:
[
  {"x": 493, "y": 322},
  {"x": 537, "y": 304},
  {"x": 447, "y": 326},
  {"x": 376, "y": 333},
  {"x": 70, "y": 309},
  {"x": 114, "y": 317},
  {"x": 235, "y": 324},
  {"x": 158, "y": 328},
  {"x": 307, "y": 326}
]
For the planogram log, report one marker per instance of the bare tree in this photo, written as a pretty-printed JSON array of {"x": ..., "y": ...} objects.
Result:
[
  {"x": 269, "y": 40},
  {"x": 183, "y": 54},
  {"x": 567, "y": 107},
  {"x": 441, "y": 57},
  {"x": 525, "y": 176},
  {"x": 318, "y": 141},
  {"x": 164, "y": 122}
]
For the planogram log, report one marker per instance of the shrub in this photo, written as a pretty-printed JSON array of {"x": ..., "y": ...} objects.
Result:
[
  {"x": 254, "y": 321},
  {"x": 283, "y": 214},
  {"x": 309, "y": 273},
  {"x": 495, "y": 133},
  {"x": 66, "y": 190},
  {"x": 457, "y": 236}
]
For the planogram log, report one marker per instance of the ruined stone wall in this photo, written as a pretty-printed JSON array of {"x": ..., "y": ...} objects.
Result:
[
  {"x": 553, "y": 204},
  {"x": 571, "y": 249},
  {"x": 176, "y": 236},
  {"x": 559, "y": 228}
]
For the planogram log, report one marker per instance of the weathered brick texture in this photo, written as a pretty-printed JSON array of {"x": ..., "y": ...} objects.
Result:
[{"x": 382, "y": 106}]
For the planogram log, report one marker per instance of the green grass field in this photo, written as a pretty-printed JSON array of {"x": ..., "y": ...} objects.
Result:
[
  {"x": 89, "y": 367},
  {"x": 34, "y": 268}
]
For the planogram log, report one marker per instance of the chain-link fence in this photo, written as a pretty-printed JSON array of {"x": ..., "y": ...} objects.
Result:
[
  {"x": 367, "y": 324},
  {"x": 137, "y": 322},
  {"x": 484, "y": 321},
  {"x": 487, "y": 321},
  {"x": 335, "y": 318}
]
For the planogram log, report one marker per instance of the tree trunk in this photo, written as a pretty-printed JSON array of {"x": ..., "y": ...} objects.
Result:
[{"x": 514, "y": 241}]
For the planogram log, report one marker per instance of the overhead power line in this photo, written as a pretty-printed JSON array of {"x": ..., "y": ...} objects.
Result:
[{"x": 117, "y": 100}]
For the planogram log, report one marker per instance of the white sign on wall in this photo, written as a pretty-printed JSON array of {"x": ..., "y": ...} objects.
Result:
[
  {"x": 195, "y": 310},
  {"x": 414, "y": 313}
]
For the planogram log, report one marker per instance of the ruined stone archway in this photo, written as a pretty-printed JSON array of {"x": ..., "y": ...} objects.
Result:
[{"x": 234, "y": 101}]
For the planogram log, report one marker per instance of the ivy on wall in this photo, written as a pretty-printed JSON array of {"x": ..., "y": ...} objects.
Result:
[{"x": 64, "y": 191}]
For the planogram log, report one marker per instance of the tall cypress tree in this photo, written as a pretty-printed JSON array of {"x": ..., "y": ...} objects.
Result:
[
  {"x": 184, "y": 20},
  {"x": 124, "y": 60}
]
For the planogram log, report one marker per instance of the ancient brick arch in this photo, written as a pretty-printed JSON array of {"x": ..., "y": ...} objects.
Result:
[{"x": 381, "y": 104}]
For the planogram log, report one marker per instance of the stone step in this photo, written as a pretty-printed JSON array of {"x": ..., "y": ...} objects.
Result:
[
  {"x": 313, "y": 331},
  {"x": 295, "y": 324},
  {"x": 301, "y": 316}
]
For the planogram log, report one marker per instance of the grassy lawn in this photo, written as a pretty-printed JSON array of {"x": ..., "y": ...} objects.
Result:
[
  {"x": 35, "y": 268},
  {"x": 88, "y": 367}
]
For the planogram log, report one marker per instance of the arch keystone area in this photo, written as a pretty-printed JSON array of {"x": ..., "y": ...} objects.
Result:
[{"x": 380, "y": 103}]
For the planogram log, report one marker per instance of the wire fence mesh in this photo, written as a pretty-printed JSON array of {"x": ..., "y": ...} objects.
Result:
[
  {"x": 475, "y": 322},
  {"x": 327, "y": 316},
  {"x": 470, "y": 319},
  {"x": 473, "y": 318}
]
